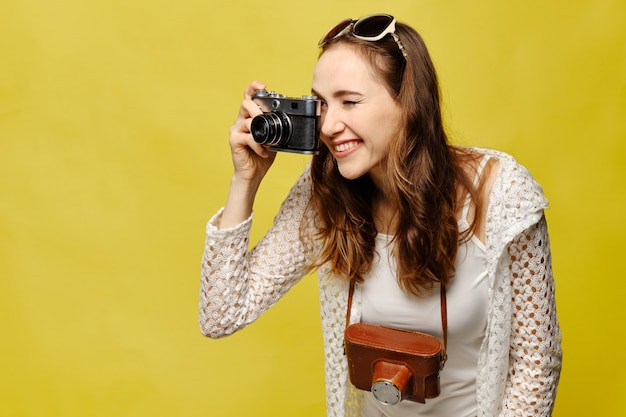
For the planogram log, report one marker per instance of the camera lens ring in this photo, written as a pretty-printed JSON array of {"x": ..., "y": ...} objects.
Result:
[
  {"x": 272, "y": 128},
  {"x": 386, "y": 392}
]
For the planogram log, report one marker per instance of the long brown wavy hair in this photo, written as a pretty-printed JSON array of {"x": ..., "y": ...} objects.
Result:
[{"x": 424, "y": 171}]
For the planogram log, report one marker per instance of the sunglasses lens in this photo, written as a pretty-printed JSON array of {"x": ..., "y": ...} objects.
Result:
[
  {"x": 372, "y": 26},
  {"x": 334, "y": 31}
]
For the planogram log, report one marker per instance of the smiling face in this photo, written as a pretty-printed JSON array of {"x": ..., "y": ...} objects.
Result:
[{"x": 359, "y": 117}]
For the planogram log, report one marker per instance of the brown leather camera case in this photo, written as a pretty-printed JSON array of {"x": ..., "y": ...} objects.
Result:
[{"x": 410, "y": 360}]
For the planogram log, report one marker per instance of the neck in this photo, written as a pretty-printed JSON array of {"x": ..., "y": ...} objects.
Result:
[{"x": 385, "y": 214}]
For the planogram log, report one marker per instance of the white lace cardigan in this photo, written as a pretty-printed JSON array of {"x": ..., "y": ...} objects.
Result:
[{"x": 520, "y": 358}]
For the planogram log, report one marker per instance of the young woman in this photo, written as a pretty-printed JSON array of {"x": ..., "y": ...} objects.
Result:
[{"x": 391, "y": 206}]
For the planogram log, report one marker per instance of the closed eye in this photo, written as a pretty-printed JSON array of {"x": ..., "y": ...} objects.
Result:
[{"x": 350, "y": 102}]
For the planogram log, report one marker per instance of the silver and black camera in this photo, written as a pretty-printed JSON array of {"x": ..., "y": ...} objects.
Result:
[{"x": 287, "y": 124}]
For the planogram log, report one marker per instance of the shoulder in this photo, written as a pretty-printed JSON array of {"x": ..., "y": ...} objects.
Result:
[
  {"x": 516, "y": 199},
  {"x": 512, "y": 180},
  {"x": 304, "y": 182}
]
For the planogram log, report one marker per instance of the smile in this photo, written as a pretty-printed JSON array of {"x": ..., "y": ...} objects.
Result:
[{"x": 342, "y": 147}]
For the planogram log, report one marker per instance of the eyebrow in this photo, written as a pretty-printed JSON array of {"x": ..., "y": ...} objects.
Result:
[{"x": 340, "y": 93}]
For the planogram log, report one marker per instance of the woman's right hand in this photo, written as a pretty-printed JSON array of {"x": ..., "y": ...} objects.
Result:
[{"x": 251, "y": 160}]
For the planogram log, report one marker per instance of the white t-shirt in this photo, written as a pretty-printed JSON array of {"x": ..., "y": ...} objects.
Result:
[{"x": 386, "y": 304}]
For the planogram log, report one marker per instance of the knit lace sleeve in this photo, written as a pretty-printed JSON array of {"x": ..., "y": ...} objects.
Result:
[
  {"x": 535, "y": 344},
  {"x": 236, "y": 284}
]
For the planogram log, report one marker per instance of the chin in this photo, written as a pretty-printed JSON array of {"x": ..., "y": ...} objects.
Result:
[{"x": 350, "y": 173}]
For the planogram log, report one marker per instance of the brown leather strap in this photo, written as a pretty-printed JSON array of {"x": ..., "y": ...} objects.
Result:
[
  {"x": 444, "y": 314},
  {"x": 350, "y": 294},
  {"x": 444, "y": 321}
]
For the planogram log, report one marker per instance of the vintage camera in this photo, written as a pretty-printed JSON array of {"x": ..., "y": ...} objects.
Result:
[{"x": 287, "y": 124}]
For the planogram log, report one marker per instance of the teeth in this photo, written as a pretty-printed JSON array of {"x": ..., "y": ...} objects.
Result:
[{"x": 345, "y": 146}]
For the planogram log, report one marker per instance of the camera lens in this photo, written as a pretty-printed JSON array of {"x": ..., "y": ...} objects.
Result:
[{"x": 272, "y": 128}]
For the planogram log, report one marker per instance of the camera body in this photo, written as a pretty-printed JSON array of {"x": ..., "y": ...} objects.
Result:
[{"x": 287, "y": 124}]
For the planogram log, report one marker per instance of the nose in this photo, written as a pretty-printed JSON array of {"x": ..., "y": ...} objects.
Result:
[{"x": 331, "y": 123}]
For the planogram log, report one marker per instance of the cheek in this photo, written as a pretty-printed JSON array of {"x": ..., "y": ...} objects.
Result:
[
  {"x": 325, "y": 142},
  {"x": 391, "y": 124}
]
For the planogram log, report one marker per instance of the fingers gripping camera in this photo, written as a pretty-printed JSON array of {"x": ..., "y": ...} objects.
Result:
[{"x": 287, "y": 124}]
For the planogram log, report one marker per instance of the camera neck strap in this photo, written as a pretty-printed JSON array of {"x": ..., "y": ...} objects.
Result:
[{"x": 444, "y": 314}]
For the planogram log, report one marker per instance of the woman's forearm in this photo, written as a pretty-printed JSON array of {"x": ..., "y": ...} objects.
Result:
[{"x": 239, "y": 203}]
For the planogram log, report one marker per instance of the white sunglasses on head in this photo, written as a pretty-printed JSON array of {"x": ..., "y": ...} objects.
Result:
[{"x": 369, "y": 28}]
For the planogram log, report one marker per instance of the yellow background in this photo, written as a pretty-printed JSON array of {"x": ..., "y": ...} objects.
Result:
[{"x": 114, "y": 118}]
